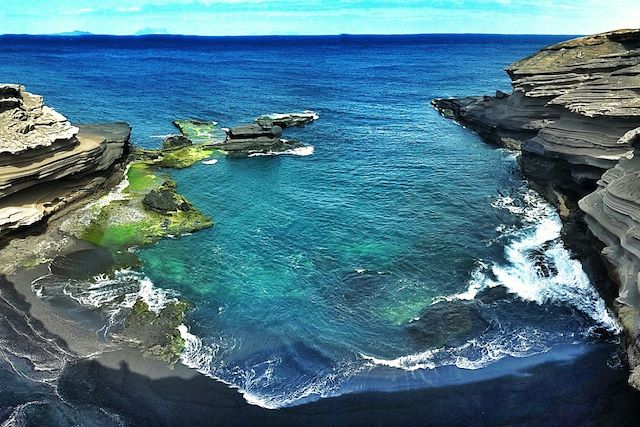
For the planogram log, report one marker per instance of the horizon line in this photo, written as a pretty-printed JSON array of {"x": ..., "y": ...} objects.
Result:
[{"x": 89, "y": 34}]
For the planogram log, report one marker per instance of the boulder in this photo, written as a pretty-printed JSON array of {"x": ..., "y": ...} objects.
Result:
[{"x": 175, "y": 141}]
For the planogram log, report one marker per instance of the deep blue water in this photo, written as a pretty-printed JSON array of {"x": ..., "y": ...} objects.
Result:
[{"x": 313, "y": 278}]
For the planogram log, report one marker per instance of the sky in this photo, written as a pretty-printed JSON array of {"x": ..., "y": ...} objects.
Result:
[{"x": 314, "y": 17}]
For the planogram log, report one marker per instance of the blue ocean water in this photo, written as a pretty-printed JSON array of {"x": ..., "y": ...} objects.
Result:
[{"x": 401, "y": 246}]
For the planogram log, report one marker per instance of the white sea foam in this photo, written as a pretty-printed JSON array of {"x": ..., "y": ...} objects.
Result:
[
  {"x": 565, "y": 283},
  {"x": 570, "y": 285},
  {"x": 300, "y": 151},
  {"x": 126, "y": 285},
  {"x": 114, "y": 294},
  {"x": 476, "y": 283},
  {"x": 260, "y": 383},
  {"x": 306, "y": 114},
  {"x": 195, "y": 353},
  {"x": 474, "y": 354}
]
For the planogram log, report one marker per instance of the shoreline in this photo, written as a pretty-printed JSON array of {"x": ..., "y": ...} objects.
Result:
[
  {"x": 569, "y": 385},
  {"x": 147, "y": 391}
]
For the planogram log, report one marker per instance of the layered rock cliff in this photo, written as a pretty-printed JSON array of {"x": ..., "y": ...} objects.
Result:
[
  {"x": 575, "y": 115},
  {"x": 45, "y": 162}
]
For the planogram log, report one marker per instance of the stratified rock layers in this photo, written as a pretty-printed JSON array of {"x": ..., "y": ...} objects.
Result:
[
  {"x": 45, "y": 162},
  {"x": 575, "y": 115}
]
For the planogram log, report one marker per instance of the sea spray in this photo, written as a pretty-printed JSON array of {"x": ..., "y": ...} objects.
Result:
[
  {"x": 115, "y": 294},
  {"x": 562, "y": 282}
]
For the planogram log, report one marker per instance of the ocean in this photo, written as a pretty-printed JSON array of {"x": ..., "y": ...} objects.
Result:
[{"x": 400, "y": 253}]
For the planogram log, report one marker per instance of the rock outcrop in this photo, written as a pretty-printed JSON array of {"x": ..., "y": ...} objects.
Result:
[
  {"x": 165, "y": 199},
  {"x": 262, "y": 137},
  {"x": 575, "y": 115},
  {"x": 45, "y": 162},
  {"x": 247, "y": 140},
  {"x": 285, "y": 120}
]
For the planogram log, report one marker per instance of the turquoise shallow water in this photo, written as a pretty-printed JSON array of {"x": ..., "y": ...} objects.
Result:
[{"x": 319, "y": 267}]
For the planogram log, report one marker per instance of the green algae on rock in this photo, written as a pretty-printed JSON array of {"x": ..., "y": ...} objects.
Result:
[
  {"x": 129, "y": 221},
  {"x": 184, "y": 157},
  {"x": 200, "y": 131}
]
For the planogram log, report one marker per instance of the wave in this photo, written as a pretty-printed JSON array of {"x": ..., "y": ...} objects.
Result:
[
  {"x": 116, "y": 294},
  {"x": 474, "y": 354},
  {"x": 538, "y": 269},
  {"x": 261, "y": 383},
  {"x": 476, "y": 284},
  {"x": 300, "y": 151}
]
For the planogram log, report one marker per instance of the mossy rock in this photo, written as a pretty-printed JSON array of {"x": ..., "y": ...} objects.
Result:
[
  {"x": 152, "y": 210},
  {"x": 184, "y": 157},
  {"x": 141, "y": 178},
  {"x": 200, "y": 131},
  {"x": 165, "y": 199},
  {"x": 111, "y": 228},
  {"x": 176, "y": 141},
  {"x": 156, "y": 334}
]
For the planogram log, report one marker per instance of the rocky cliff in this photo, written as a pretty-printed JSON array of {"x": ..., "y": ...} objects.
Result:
[
  {"x": 45, "y": 162},
  {"x": 575, "y": 115}
]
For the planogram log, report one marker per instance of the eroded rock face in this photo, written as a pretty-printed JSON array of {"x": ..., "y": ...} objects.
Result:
[
  {"x": 575, "y": 113},
  {"x": 45, "y": 162},
  {"x": 285, "y": 120},
  {"x": 251, "y": 139},
  {"x": 574, "y": 101}
]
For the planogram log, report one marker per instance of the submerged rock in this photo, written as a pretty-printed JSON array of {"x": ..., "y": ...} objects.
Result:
[
  {"x": 200, "y": 131},
  {"x": 448, "y": 324}
]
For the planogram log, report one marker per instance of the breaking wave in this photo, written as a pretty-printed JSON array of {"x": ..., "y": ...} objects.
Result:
[
  {"x": 538, "y": 269},
  {"x": 300, "y": 151}
]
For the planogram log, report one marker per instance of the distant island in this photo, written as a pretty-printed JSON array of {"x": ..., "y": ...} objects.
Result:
[
  {"x": 151, "y": 31},
  {"x": 74, "y": 33}
]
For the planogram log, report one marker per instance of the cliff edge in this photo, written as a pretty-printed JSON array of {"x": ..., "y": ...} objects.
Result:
[
  {"x": 574, "y": 113},
  {"x": 45, "y": 162}
]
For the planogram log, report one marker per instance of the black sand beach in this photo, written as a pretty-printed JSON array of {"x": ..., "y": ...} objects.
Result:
[{"x": 144, "y": 391}]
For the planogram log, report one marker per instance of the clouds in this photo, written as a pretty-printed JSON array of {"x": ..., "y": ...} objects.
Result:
[{"x": 238, "y": 17}]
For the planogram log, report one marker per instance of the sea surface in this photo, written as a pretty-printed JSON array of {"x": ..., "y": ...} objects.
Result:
[{"x": 400, "y": 253}]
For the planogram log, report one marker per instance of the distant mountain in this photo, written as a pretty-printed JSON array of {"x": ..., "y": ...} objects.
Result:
[
  {"x": 149, "y": 30},
  {"x": 73, "y": 33}
]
